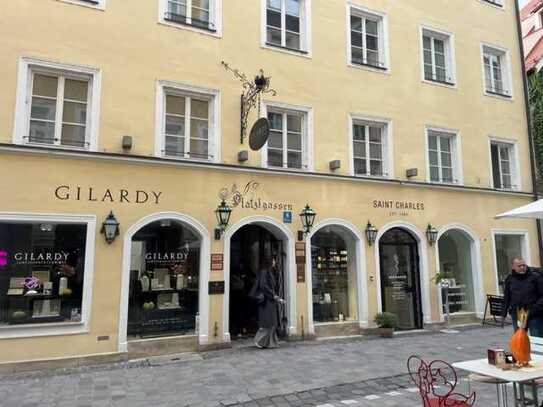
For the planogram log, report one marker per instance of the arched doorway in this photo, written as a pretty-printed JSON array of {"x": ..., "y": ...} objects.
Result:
[
  {"x": 252, "y": 248},
  {"x": 334, "y": 277},
  {"x": 164, "y": 279},
  {"x": 400, "y": 277},
  {"x": 456, "y": 250}
]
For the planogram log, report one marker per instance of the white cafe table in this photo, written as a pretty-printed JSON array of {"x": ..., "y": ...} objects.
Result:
[{"x": 520, "y": 377}]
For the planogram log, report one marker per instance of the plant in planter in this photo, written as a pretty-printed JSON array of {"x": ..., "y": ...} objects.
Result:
[
  {"x": 442, "y": 277},
  {"x": 386, "y": 321}
]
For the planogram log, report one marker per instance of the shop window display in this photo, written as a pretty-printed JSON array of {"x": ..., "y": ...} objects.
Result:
[
  {"x": 42, "y": 267},
  {"x": 334, "y": 276},
  {"x": 164, "y": 278},
  {"x": 507, "y": 248}
]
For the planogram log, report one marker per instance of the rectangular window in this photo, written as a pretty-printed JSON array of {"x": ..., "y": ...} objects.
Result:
[
  {"x": 496, "y": 71},
  {"x": 42, "y": 272},
  {"x": 507, "y": 246},
  {"x": 186, "y": 132},
  {"x": 437, "y": 57},
  {"x": 200, "y": 14},
  {"x": 442, "y": 156},
  {"x": 367, "y": 39},
  {"x": 186, "y": 123},
  {"x": 286, "y": 24},
  {"x": 369, "y": 149},
  {"x": 285, "y": 147},
  {"x": 502, "y": 156}
]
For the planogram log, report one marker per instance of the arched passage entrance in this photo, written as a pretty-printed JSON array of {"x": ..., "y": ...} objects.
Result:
[
  {"x": 459, "y": 254},
  {"x": 400, "y": 275},
  {"x": 165, "y": 278},
  {"x": 248, "y": 244}
]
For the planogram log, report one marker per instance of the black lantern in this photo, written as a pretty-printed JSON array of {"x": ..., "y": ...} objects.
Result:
[
  {"x": 431, "y": 234},
  {"x": 110, "y": 228},
  {"x": 371, "y": 233},
  {"x": 307, "y": 216},
  {"x": 222, "y": 212}
]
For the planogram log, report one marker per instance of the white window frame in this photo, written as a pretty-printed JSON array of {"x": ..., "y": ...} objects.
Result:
[
  {"x": 165, "y": 87},
  {"x": 505, "y": 64},
  {"x": 305, "y": 31},
  {"x": 215, "y": 17},
  {"x": 382, "y": 29},
  {"x": 307, "y": 133},
  {"x": 525, "y": 246},
  {"x": 95, "y": 4},
  {"x": 516, "y": 181},
  {"x": 59, "y": 328},
  {"x": 450, "y": 56},
  {"x": 387, "y": 144},
  {"x": 456, "y": 154},
  {"x": 28, "y": 66}
]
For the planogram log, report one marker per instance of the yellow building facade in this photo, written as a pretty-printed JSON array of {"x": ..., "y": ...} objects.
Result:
[{"x": 409, "y": 116}]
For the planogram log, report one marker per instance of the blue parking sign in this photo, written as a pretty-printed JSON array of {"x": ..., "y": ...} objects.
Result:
[{"x": 287, "y": 217}]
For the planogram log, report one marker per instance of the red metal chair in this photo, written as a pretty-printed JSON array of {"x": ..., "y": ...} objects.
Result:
[{"x": 436, "y": 382}]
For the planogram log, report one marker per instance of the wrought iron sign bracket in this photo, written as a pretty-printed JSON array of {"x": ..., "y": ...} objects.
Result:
[{"x": 250, "y": 96}]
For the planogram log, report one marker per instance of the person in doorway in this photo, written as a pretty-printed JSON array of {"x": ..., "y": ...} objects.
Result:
[
  {"x": 268, "y": 315},
  {"x": 523, "y": 288}
]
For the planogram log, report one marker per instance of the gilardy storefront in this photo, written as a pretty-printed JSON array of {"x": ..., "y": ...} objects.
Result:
[{"x": 74, "y": 283}]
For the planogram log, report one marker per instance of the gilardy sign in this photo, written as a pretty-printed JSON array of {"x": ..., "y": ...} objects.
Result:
[
  {"x": 93, "y": 194},
  {"x": 41, "y": 257}
]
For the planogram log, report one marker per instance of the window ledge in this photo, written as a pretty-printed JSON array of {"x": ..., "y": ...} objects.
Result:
[
  {"x": 493, "y": 4},
  {"x": 497, "y": 95},
  {"x": 370, "y": 68},
  {"x": 448, "y": 85},
  {"x": 94, "y": 4},
  {"x": 375, "y": 177},
  {"x": 190, "y": 27},
  {"x": 274, "y": 167},
  {"x": 454, "y": 183},
  {"x": 194, "y": 26},
  {"x": 286, "y": 50},
  {"x": 60, "y": 147},
  {"x": 48, "y": 329},
  {"x": 189, "y": 159}
]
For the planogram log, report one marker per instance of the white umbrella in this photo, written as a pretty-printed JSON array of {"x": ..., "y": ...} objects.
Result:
[{"x": 533, "y": 210}]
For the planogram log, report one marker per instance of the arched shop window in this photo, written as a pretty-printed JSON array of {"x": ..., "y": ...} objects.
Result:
[
  {"x": 164, "y": 278},
  {"x": 333, "y": 275},
  {"x": 42, "y": 268}
]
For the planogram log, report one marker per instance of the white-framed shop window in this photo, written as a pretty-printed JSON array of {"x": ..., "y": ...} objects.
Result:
[
  {"x": 504, "y": 164},
  {"x": 370, "y": 146},
  {"x": 506, "y": 245},
  {"x": 57, "y": 105},
  {"x": 496, "y": 71},
  {"x": 437, "y": 56},
  {"x": 47, "y": 261},
  {"x": 286, "y": 25},
  {"x": 204, "y": 16},
  {"x": 97, "y": 4},
  {"x": 290, "y": 141},
  {"x": 187, "y": 122},
  {"x": 367, "y": 37},
  {"x": 443, "y": 156}
]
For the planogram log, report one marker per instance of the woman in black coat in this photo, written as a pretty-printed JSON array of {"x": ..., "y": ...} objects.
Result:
[{"x": 268, "y": 315}]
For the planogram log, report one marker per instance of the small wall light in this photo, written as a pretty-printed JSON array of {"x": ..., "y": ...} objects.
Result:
[
  {"x": 431, "y": 234},
  {"x": 371, "y": 233},
  {"x": 110, "y": 228},
  {"x": 307, "y": 216},
  {"x": 222, "y": 212}
]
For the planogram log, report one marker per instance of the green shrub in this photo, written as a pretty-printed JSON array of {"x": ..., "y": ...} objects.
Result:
[{"x": 386, "y": 320}]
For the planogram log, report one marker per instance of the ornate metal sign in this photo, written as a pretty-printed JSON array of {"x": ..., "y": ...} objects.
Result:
[
  {"x": 250, "y": 96},
  {"x": 259, "y": 134}
]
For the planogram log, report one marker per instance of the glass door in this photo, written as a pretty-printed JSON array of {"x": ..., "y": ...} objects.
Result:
[{"x": 400, "y": 282}]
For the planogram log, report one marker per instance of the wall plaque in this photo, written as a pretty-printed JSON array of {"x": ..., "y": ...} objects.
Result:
[
  {"x": 216, "y": 287},
  {"x": 300, "y": 273},
  {"x": 300, "y": 253},
  {"x": 217, "y": 261}
]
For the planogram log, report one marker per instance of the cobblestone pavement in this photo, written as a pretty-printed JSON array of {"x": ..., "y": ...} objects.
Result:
[{"x": 362, "y": 371}]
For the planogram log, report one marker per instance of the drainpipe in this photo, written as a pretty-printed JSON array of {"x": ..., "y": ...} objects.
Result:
[{"x": 529, "y": 123}]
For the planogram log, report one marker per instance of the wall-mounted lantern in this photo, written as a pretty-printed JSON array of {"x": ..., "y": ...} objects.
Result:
[
  {"x": 222, "y": 212},
  {"x": 110, "y": 228},
  {"x": 431, "y": 234},
  {"x": 371, "y": 233},
  {"x": 307, "y": 216}
]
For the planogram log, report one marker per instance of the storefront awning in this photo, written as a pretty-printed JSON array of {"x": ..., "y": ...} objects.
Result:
[{"x": 533, "y": 210}]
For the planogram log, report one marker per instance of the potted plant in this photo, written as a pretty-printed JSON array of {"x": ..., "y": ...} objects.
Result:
[
  {"x": 443, "y": 277},
  {"x": 386, "y": 322}
]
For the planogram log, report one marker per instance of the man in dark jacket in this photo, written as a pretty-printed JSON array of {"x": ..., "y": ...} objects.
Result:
[{"x": 523, "y": 288}]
